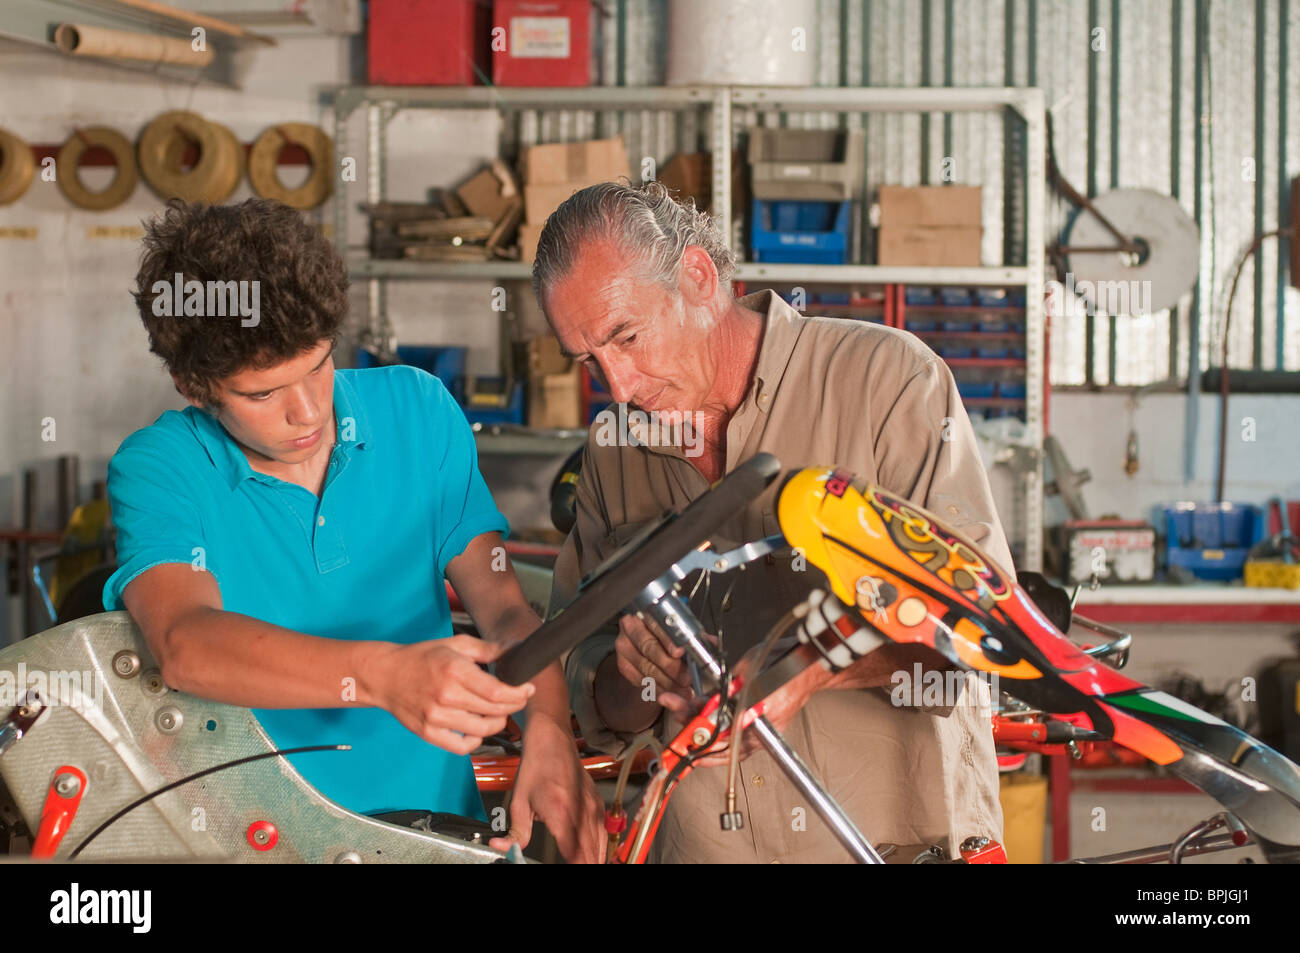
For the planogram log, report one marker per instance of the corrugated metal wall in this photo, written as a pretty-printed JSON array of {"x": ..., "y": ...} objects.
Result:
[{"x": 1133, "y": 104}]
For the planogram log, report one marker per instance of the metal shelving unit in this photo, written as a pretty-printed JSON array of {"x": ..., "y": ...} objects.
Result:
[{"x": 382, "y": 103}]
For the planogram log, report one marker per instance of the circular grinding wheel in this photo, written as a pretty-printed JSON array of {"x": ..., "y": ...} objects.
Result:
[
  {"x": 16, "y": 167},
  {"x": 68, "y": 166},
  {"x": 213, "y": 177},
  {"x": 1164, "y": 271},
  {"x": 265, "y": 154}
]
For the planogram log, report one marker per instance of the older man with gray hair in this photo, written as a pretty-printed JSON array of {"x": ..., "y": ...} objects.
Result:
[{"x": 637, "y": 288}]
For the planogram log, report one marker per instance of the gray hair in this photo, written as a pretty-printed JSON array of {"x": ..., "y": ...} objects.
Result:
[{"x": 645, "y": 221}]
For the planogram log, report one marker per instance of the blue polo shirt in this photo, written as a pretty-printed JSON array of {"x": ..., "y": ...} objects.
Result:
[{"x": 402, "y": 497}]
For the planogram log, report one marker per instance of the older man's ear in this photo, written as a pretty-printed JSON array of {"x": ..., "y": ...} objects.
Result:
[{"x": 699, "y": 280}]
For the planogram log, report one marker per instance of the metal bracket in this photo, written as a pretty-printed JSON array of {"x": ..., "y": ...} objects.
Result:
[{"x": 709, "y": 561}]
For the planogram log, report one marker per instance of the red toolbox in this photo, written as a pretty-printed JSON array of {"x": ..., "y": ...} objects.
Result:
[
  {"x": 429, "y": 42},
  {"x": 541, "y": 43}
]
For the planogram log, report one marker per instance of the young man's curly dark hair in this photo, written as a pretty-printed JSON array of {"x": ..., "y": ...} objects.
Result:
[{"x": 302, "y": 290}]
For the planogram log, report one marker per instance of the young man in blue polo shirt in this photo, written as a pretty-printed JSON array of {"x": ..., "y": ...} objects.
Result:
[{"x": 283, "y": 541}]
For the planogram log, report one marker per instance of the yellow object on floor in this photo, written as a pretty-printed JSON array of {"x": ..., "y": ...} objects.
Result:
[{"x": 1024, "y": 816}]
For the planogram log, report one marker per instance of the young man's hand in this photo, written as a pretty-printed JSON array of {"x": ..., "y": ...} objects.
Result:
[
  {"x": 437, "y": 690},
  {"x": 552, "y": 787}
]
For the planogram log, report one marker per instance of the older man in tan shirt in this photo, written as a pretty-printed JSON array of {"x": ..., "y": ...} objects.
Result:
[{"x": 636, "y": 287}]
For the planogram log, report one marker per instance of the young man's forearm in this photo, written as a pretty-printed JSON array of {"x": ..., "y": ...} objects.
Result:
[
  {"x": 240, "y": 660},
  {"x": 551, "y": 699}
]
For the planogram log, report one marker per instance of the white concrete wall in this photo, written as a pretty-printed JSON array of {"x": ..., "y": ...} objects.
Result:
[
  {"x": 1093, "y": 430},
  {"x": 71, "y": 344},
  {"x": 72, "y": 347}
]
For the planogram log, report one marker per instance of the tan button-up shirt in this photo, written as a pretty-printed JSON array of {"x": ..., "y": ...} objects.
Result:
[{"x": 879, "y": 403}]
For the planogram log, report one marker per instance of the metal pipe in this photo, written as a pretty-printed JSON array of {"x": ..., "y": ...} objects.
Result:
[
  {"x": 840, "y": 823},
  {"x": 666, "y": 607},
  {"x": 1151, "y": 855}
]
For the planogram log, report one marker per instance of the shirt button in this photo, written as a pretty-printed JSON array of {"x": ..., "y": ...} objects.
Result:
[
  {"x": 758, "y": 780},
  {"x": 320, "y": 521}
]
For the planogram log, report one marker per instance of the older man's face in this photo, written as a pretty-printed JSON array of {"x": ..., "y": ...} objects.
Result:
[{"x": 650, "y": 347}]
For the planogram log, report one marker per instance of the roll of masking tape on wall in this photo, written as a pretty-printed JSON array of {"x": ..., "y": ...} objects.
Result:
[
  {"x": 263, "y": 159},
  {"x": 16, "y": 167},
  {"x": 162, "y": 148},
  {"x": 68, "y": 172},
  {"x": 742, "y": 42}
]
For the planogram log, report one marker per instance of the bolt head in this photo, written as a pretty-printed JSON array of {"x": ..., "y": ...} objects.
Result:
[
  {"x": 151, "y": 681},
  {"x": 169, "y": 719},
  {"x": 700, "y": 736},
  {"x": 126, "y": 664},
  {"x": 67, "y": 785}
]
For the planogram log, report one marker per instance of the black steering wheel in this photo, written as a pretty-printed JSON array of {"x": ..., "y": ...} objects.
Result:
[{"x": 618, "y": 581}]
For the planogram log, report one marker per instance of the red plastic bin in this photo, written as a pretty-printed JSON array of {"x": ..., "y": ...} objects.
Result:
[
  {"x": 547, "y": 43},
  {"x": 429, "y": 42}
]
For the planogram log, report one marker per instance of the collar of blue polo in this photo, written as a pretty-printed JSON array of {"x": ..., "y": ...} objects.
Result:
[{"x": 352, "y": 431}]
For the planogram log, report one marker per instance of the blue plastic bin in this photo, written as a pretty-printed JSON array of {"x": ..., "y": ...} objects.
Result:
[
  {"x": 512, "y": 413},
  {"x": 955, "y": 297},
  {"x": 806, "y": 233},
  {"x": 1012, "y": 390},
  {"x": 975, "y": 389},
  {"x": 992, "y": 298},
  {"x": 445, "y": 363},
  {"x": 1211, "y": 540}
]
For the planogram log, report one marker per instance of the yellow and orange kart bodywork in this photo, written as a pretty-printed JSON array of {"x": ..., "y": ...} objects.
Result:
[{"x": 917, "y": 582}]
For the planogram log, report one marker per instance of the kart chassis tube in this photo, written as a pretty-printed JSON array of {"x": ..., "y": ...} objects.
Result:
[
  {"x": 680, "y": 624},
  {"x": 641, "y": 575}
]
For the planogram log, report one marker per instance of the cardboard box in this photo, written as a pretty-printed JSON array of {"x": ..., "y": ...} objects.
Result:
[
  {"x": 545, "y": 357},
  {"x": 528, "y": 236},
  {"x": 584, "y": 163},
  {"x": 554, "y": 386},
  {"x": 483, "y": 195},
  {"x": 688, "y": 175},
  {"x": 541, "y": 200},
  {"x": 556, "y": 401},
  {"x": 935, "y": 247},
  {"x": 930, "y": 205},
  {"x": 818, "y": 165}
]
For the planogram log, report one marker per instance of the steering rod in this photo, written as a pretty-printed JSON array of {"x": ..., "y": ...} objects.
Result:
[{"x": 660, "y": 601}]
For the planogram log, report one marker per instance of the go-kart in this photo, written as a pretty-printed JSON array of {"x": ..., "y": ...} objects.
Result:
[{"x": 148, "y": 772}]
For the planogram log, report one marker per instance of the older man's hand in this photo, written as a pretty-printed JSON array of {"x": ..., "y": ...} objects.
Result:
[{"x": 642, "y": 651}]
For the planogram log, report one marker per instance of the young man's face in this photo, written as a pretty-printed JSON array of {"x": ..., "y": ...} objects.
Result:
[{"x": 282, "y": 413}]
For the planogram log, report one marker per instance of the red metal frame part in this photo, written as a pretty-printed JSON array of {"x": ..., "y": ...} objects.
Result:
[
  {"x": 657, "y": 792},
  {"x": 58, "y": 813}
]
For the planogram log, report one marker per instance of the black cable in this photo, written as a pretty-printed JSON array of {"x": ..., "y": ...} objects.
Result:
[{"x": 194, "y": 777}]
